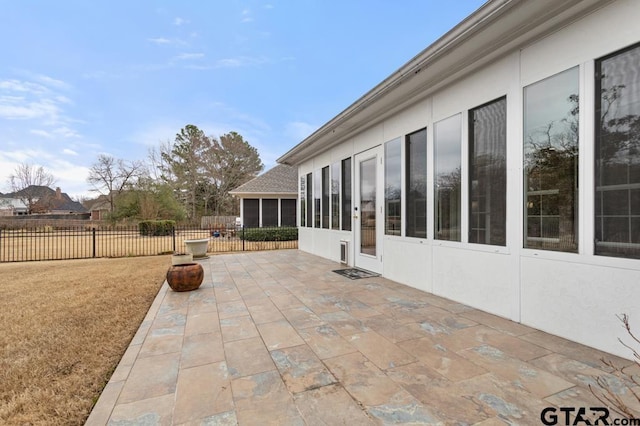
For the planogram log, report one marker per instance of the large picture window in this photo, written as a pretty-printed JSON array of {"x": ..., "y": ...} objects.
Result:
[
  {"x": 487, "y": 173},
  {"x": 317, "y": 198},
  {"x": 346, "y": 194},
  {"x": 416, "y": 169},
  {"x": 448, "y": 161},
  {"x": 303, "y": 201},
  {"x": 325, "y": 197},
  {"x": 309, "y": 200},
  {"x": 551, "y": 162},
  {"x": 335, "y": 196},
  {"x": 393, "y": 187},
  {"x": 617, "y": 156}
]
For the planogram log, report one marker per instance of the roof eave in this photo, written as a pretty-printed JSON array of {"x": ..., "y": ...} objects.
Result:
[{"x": 428, "y": 70}]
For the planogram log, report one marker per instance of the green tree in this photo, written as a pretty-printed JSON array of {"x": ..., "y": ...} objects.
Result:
[
  {"x": 235, "y": 163},
  {"x": 185, "y": 167},
  {"x": 202, "y": 169},
  {"x": 148, "y": 200}
]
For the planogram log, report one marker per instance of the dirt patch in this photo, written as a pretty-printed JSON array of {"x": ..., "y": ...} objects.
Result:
[{"x": 65, "y": 326}]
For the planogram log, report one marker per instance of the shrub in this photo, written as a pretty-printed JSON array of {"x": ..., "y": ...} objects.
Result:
[
  {"x": 627, "y": 381},
  {"x": 156, "y": 228},
  {"x": 269, "y": 234}
]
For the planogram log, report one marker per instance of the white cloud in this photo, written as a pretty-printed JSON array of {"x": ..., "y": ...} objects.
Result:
[
  {"x": 52, "y": 82},
  {"x": 66, "y": 132},
  {"x": 70, "y": 176},
  {"x": 189, "y": 56},
  {"x": 298, "y": 130},
  {"x": 69, "y": 152},
  {"x": 240, "y": 61},
  {"x": 180, "y": 21},
  {"x": 20, "y": 108},
  {"x": 246, "y": 16},
  {"x": 42, "y": 133},
  {"x": 160, "y": 40}
]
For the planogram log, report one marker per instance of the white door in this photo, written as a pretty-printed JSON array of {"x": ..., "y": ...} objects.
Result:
[{"x": 367, "y": 210}]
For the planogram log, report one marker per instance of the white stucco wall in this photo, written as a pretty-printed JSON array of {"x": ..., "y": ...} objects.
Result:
[{"x": 576, "y": 296}]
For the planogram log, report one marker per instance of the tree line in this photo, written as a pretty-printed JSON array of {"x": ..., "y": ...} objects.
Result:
[{"x": 182, "y": 180}]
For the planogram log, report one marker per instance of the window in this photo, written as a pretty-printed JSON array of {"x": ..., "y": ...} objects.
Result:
[
  {"x": 317, "y": 200},
  {"x": 551, "y": 162},
  {"x": 309, "y": 200},
  {"x": 448, "y": 161},
  {"x": 303, "y": 201},
  {"x": 487, "y": 173},
  {"x": 251, "y": 212},
  {"x": 269, "y": 212},
  {"x": 288, "y": 212},
  {"x": 416, "y": 169},
  {"x": 617, "y": 156},
  {"x": 392, "y": 187},
  {"x": 325, "y": 197},
  {"x": 335, "y": 196},
  {"x": 346, "y": 194}
]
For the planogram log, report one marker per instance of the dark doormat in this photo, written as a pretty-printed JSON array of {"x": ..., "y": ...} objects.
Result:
[{"x": 355, "y": 273}]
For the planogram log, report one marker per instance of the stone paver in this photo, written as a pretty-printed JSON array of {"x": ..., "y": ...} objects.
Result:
[{"x": 277, "y": 338}]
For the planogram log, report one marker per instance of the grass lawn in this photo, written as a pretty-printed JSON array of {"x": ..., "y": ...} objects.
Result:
[{"x": 64, "y": 327}]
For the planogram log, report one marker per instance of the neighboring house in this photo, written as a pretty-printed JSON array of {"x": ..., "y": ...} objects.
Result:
[
  {"x": 45, "y": 201},
  {"x": 99, "y": 207},
  {"x": 503, "y": 167},
  {"x": 12, "y": 206},
  {"x": 269, "y": 199}
]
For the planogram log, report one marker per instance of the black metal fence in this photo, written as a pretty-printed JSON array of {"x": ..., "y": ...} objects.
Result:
[{"x": 51, "y": 243}]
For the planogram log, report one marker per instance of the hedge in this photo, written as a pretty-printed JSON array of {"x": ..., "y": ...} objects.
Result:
[
  {"x": 269, "y": 234},
  {"x": 156, "y": 228}
]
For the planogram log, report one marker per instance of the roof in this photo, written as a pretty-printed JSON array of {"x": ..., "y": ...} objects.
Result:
[
  {"x": 494, "y": 30},
  {"x": 47, "y": 199},
  {"x": 282, "y": 179}
]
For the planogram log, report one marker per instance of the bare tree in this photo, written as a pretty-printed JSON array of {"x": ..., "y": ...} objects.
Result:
[
  {"x": 110, "y": 176},
  {"x": 26, "y": 181}
]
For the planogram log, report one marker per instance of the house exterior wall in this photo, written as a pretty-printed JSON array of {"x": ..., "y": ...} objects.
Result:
[{"x": 572, "y": 295}]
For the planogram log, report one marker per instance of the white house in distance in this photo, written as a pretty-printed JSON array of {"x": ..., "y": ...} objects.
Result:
[{"x": 500, "y": 168}]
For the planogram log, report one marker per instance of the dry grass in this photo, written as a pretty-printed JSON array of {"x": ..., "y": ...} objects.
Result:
[
  {"x": 65, "y": 325},
  {"x": 20, "y": 245}
]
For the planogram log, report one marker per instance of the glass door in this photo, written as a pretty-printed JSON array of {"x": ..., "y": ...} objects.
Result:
[{"x": 367, "y": 210}]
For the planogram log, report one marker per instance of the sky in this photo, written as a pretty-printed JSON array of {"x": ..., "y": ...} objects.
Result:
[{"x": 83, "y": 78}]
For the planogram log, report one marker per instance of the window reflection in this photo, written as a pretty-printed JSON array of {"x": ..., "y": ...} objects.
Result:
[
  {"x": 487, "y": 171},
  {"x": 448, "y": 179},
  {"x": 416, "y": 152},
  {"x": 392, "y": 187},
  {"x": 617, "y": 191},
  {"x": 551, "y": 162}
]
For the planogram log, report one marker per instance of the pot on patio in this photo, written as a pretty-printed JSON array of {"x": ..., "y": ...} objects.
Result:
[
  {"x": 181, "y": 258},
  {"x": 198, "y": 248},
  {"x": 185, "y": 277}
]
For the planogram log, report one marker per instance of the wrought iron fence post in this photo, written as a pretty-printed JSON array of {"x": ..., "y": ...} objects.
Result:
[
  {"x": 173, "y": 238},
  {"x": 93, "y": 241},
  {"x": 242, "y": 237}
]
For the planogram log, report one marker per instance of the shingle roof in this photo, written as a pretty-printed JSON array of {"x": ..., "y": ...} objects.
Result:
[{"x": 280, "y": 179}]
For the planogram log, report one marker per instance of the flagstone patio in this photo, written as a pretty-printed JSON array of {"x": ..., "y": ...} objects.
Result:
[{"x": 278, "y": 338}]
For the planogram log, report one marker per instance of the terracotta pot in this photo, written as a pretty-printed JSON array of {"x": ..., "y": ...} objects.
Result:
[{"x": 185, "y": 277}]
